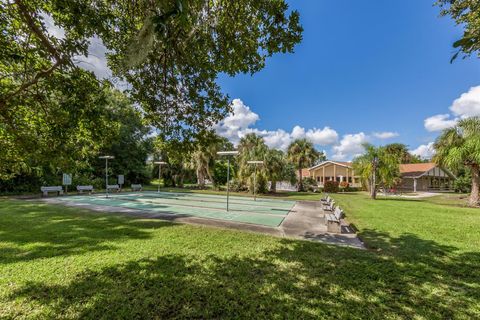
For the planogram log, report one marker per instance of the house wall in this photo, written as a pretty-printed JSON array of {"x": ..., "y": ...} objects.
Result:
[
  {"x": 427, "y": 183},
  {"x": 335, "y": 172}
]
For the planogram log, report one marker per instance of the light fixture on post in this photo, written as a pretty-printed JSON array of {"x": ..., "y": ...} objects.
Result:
[
  {"x": 106, "y": 172},
  {"x": 255, "y": 162},
  {"x": 160, "y": 164},
  {"x": 228, "y": 154}
]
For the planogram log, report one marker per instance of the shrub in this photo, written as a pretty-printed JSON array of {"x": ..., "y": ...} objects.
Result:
[
  {"x": 330, "y": 186},
  {"x": 309, "y": 184},
  {"x": 344, "y": 185},
  {"x": 463, "y": 184}
]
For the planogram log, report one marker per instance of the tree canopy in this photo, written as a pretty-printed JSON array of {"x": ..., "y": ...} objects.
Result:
[
  {"x": 467, "y": 14},
  {"x": 302, "y": 154},
  {"x": 170, "y": 51},
  {"x": 460, "y": 146},
  {"x": 377, "y": 167}
]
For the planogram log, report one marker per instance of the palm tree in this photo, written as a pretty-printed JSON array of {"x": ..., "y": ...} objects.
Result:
[
  {"x": 251, "y": 147},
  {"x": 274, "y": 167},
  {"x": 302, "y": 154},
  {"x": 200, "y": 161},
  {"x": 377, "y": 167},
  {"x": 459, "y": 146}
]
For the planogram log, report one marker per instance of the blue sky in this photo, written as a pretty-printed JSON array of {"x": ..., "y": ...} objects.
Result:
[{"x": 363, "y": 67}]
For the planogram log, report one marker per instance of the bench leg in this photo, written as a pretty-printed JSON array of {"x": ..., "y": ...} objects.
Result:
[{"x": 334, "y": 227}]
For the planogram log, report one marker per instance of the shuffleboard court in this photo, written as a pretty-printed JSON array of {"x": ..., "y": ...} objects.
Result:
[{"x": 265, "y": 212}]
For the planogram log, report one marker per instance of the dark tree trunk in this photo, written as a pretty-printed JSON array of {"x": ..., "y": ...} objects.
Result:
[
  {"x": 300, "y": 182},
  {"x": 273, "y": 186},
  {"x": 373, "y": 186},
  {"x": 474, "y": 195}
]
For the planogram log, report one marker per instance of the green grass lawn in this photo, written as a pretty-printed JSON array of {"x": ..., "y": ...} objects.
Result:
[{"x": 57, "y": 262}]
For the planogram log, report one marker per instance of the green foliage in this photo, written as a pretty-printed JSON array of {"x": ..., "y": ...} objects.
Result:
[
  {"x": 330, "y": 186},
  {"x": 377, "y": 167},
  {"x": 465, "y": 13},
  {"x": 302, "y": 154},
  {"x": 400, "y": 151},
  {"x": 463, "y": 184},
  {"x": 53, "y": 114},
  {"x": 309, "y": 184},
  {"x": 460, "y": 147},
  {"x": 251, "y": 147}
]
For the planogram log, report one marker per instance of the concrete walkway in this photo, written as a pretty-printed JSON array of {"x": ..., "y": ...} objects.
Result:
[{"x": 305, "y": 221}]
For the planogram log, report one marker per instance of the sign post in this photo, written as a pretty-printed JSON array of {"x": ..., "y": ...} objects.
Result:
[
  {"x": 228, "y": 154},
  {"x": 106, "y": 172},
  {"x": 66, "y": 181},
  {"x": 160, "y": 164},
  {"x": 121, "y": 180}
]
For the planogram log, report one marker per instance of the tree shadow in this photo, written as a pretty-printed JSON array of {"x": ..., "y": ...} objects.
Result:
[
  {"x": 36, "y": 230},
  {"x": 409, "y": 278}
]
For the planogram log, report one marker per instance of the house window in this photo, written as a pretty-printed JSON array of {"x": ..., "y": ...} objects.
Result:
[
  {"x": 338, "y": 179},
  {"x": 349, "y": 179},
  {"x": 318, "y": 179},
  {"x": 321, "y": 179}
]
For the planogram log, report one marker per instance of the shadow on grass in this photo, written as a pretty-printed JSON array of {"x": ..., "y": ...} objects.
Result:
[
  {"x": 410, "y": 278},
  {"x": 37, "y": 230}
]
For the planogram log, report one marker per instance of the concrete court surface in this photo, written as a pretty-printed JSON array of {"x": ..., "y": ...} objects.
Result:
[{"x": 302, "y": 220}]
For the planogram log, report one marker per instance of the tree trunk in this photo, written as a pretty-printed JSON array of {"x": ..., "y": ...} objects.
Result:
[
  {"x": 300, "y": 182},
  {"x": 373, "y": 187},
  {"x": 273, "y": 186},
  {"x": 200, "y": 179},
  {"x": 474, "y": 195}
]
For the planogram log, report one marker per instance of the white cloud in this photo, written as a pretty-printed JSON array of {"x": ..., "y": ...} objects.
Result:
[
  {"x": 95, "y": 61},
  {"x": 385, "y": 135},
  {"x": 234, "y": 126},
  {"x": 350, "y": 146},
  {"x": 424, "y": 151},
  {"x": 278, "y": 139},
  {"x": 240, "y": 122},
  {"x": 468, "y": 105},
  {"x": 52, "y": 29},
  {"x": 298, "y": 132},
  {"x": 439, "y": 122},
  {"x": 325, "y": 136}
]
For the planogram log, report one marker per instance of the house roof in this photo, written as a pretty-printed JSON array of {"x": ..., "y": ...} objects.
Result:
[
  {"x": 339, "y": 163},
  {"x": 415, "y": 169}
]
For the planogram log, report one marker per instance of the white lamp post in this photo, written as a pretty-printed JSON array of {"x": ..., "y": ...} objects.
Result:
[
  {"x": 160, "y": 164},
  {"x": 255, "y": 162},
  {"x": 228, "y": 154},
  {"x": 106, "y": 172}
]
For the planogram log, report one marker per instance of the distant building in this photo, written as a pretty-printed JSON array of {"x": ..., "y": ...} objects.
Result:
[
  {"x": 335, "y": 171},
  {"x": 425, "y": 177},
  {"x": 415, "y": 176}
]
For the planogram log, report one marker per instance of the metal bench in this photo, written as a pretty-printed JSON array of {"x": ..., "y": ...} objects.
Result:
[
  {"x": 332, "y": 220},
  {"x": 136, "y": 187},
  {"x": 89, "y": 189},
  {"x": 46, "y": 190},
  {"x": 113, "y": 187},
  {"x": 329, "y": 206},
  {"x": 325, "y": 199}
]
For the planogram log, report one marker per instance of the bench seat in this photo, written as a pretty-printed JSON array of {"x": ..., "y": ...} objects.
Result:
[
  {"x": 46, "y": 190},
  {"x": 136, "y": 187},
  {"x": 115, "y": 187},
  {"x": 89, "y": 189},
  {"x": 332, "y": 220}
]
